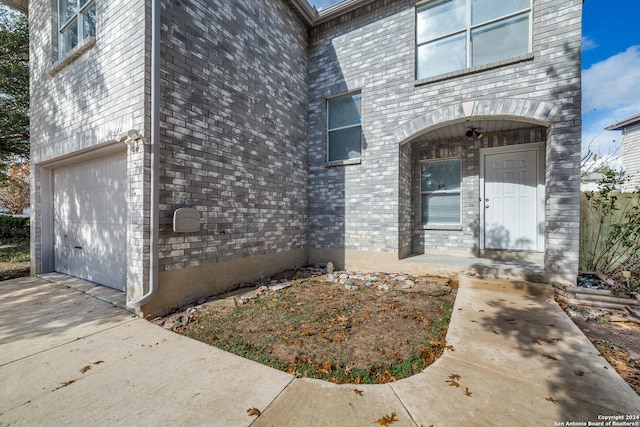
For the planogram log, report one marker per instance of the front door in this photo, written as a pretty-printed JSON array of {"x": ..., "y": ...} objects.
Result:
[{"x": 510, "y": 200}]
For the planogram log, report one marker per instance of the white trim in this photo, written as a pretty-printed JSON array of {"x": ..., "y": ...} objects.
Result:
[
  {"x": 441, "y": 225},
  {"x": 467, "y": 30},
  {"x": 328, "y": 99},
  {"x": 539, "y": 147}
]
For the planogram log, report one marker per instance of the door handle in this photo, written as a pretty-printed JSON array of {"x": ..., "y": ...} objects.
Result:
[
  {"x": 486, "y": 206},
  {"x": 77, "y": 247}
]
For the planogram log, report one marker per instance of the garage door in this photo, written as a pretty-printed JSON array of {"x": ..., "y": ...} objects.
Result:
[{"x": 90, "y": 220}]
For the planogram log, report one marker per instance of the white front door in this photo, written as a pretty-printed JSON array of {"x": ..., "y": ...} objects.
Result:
[
  {"x": 90, "y": 217},
  {"x": 510, "y": 200}
]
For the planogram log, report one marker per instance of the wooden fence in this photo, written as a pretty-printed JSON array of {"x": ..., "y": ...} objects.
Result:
[{"x": 592, "y": 235}]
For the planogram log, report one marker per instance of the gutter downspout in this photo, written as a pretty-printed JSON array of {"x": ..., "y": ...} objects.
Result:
[{"x": 155, "y": 158}]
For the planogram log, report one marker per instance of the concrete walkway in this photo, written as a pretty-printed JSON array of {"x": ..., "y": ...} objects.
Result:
[{"x": 67, "y": 358}]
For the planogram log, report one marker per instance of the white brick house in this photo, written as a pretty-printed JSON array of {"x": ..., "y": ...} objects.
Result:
[{"x": 362, "y": 134}]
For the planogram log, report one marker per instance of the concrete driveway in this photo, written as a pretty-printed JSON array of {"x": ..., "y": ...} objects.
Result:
[{"x": 67, "y": 358}]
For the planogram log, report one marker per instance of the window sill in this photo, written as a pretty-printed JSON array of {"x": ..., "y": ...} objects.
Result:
[
  {"x": 474, "y": 70},
  {"x": 72, "y": 55},
  {"x": 343, "y": 162},
  {"x": 445, "y": 227}
]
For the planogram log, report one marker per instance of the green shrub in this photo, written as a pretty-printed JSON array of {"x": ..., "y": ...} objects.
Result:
[{"x": 14, "y": 229}]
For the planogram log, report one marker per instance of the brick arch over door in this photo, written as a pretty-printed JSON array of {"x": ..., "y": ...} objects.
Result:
[{"x": 523, "y": 110}]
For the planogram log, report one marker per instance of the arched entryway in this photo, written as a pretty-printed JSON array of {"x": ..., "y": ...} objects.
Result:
[{"x": 472, "y": 178}]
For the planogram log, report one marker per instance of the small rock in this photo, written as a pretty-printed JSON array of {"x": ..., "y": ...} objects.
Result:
[
  {"x": 202, "y": 300},
  {"x": 400, "y": 278},
  {"x": 384, "y": 287},
  {"x": 408, "y": 284},
  {"x": 330, "y": 276},
  {"x": 262, "y": 290},
  {"x": 368, "y": 284},
  {"x": 280, "y": 286},
  {"x": 350, "y": 287},
  {"x": 344, "y": 276},
  {"x": 330, "y": 267},
  {"x": 191, "y": 310}
]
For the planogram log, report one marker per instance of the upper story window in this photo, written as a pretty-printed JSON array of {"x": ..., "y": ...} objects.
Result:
[
  {"x": 440, "y": 185},
  {"x": 452, "y": 35},
  {"x": 76, "y": 21},
  {"x": 344, "y": 130}
]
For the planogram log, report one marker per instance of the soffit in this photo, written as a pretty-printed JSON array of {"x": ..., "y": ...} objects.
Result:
[
  {"x": 20, "y": 5},
  {"x": 486, "y": 127}
]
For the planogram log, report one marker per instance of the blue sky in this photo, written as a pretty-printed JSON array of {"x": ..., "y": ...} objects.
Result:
[{"x": 611, "y": 68}]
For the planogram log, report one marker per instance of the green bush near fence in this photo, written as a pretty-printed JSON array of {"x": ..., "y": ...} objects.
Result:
[
  {"x": 610, "y": 229},
  {"x": 13, "y": 229}
]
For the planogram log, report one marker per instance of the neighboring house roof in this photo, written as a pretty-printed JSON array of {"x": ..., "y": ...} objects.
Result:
[
  {"x": 20, "y": 5},
  {"x": 629, "y": 121},
  {"x": 309, "y": 13}
]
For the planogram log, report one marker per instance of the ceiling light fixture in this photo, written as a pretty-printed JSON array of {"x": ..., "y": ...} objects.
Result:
[{"x": 474, "y": 132}]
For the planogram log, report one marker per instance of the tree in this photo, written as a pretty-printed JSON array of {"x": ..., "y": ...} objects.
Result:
[
  {"x": 15, "y": 194},
  {"x": 14, "y": 88}
]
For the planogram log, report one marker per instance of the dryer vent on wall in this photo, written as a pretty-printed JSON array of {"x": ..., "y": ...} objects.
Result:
[{"x": 186, "y": 220}]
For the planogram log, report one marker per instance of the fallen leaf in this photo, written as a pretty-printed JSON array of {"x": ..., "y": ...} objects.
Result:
[
  {"x": 579, "y": 373},
  {"x": 98, "y": 362},
  {"x": 449, "y": 347},
  {"x": 551, "y": 399},
  {"x": 454, "y": 377},
  {"x": 510, "y": 320},
  {"x": 548, "y": 356},
  {"x": 253, "y": 412},
  {"x": 480, "y": 311},
  {"x": 467, "y": 392},
  {"x": 64, "y": 384},
  {"x": 387, "y": 419},
  {"x": 358, "y": 392},
  {"x": 85, "y": 369},
  {"x": 452, "y": 383},
  {"x": 474, "y": 321},
  {"x": 496, "y": 332}
]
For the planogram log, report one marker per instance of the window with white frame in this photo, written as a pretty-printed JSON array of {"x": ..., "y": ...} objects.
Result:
[
  {"x": 344, "y": 130},
  {"x": 440, "y": 184},
  {"x": 452, "y": 35},
  {"x": 76, "y": 22}
]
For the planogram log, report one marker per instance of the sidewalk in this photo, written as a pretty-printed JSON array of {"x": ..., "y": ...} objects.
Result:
[{"x": 520, "y": 358}]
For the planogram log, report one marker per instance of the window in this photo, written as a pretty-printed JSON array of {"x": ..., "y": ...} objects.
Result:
[
  {"x": 440, "y": 191},
  {"x": 344, "y": 131},
  {"x": 453, "y": 35},
  {"x": 77, "y": 21}
]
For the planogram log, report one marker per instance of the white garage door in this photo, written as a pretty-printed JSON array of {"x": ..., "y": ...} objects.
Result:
[{"x": 90, "y": 217}]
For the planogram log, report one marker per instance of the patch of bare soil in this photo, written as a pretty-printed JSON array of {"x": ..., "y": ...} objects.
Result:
[
  {"x": 14, "y": 261},
  {"x": 341, "y": 327},
  {"x": 618, "y": 342}
]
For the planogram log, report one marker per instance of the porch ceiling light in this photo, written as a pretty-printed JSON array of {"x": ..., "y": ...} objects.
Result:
[{"x": 474, "y": 132}]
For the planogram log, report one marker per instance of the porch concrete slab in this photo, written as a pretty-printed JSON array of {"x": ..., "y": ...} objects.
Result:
[
  {"x": 129, "y": 372},
  {"x": 36, "y": 315},
  {"x": 308, "y": 402},
  {"x": 450, "y": 265}
]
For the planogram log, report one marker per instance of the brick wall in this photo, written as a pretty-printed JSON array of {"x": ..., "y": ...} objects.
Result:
[
  {"x": 86, "y": 103},
  {"x": 372, "y": 49},
  {"x": 233, "y": 130}
]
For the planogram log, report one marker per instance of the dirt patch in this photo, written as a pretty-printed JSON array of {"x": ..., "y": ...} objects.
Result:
[
  {"x": 341, "y": 327},
  {"x": 618, "y": 342},
  {"x": 14, "y": 261}
]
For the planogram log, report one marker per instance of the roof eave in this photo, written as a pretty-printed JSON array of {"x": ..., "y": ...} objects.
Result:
[
  {"x": 19, "y": 5},
  {"x": 345, "y": 6},
  {"x": 303, "y": 7},
  {"x": 629, "y": 121}
]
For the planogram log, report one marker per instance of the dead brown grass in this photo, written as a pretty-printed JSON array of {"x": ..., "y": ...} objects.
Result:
[{"x": 371, "y": 328}]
